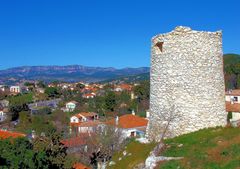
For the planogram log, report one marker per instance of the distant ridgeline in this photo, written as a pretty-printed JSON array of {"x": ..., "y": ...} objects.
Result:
[
  {"x": 71, "y": 73},
  {"x": 232, "y": 71},
  {"x": 96, "y": 74}
]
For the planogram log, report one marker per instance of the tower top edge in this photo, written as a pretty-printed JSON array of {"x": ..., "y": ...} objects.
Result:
[{"x": 185, "y": 29}]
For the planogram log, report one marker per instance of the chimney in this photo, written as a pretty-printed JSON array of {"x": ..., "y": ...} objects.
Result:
[
  {"x": 33, "y": 134},
  {"x": 116, "y": 120},
  {"x": 132, "y": 96},
  {"x": 147, "y": 114},
  {"x": 133, "y": 113}
]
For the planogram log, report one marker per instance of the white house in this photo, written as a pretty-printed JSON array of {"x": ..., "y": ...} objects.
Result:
[
  {"x": 123, "y": 87},
  {"x": 233, "y": 96},
  {"x": 233, "y": 105},
  {"x": 70, "y": 106},
  {"x": 84, "y": 122},
  {"x": 15, "y": 89},
  {"x": 2, "y": 88},
  {"x": 234, "y": 108},
  {"x": 130, "y": 124},
  {"x": 83, "y": 117}
]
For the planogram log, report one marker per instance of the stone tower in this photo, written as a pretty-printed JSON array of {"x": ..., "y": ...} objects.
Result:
[{"x": 187, "y": 83}]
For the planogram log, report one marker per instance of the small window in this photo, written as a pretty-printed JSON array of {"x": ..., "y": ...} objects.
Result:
[{"x": 159, "y": 47}]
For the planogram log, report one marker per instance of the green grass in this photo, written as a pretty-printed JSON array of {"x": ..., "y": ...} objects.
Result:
[
  {"x": 217, "y": 148},
  {"x": 139, "y": 154}
]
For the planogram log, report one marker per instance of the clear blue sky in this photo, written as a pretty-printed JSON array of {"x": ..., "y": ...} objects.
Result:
[{"x": 104, "y": 33}]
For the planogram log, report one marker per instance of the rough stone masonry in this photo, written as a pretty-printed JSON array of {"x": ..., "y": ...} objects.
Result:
[{"x": 187, "y": 83}]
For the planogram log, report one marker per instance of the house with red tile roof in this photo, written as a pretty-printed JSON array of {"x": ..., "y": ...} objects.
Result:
[
  {"x": 130, "y": 124},
  {"x": 84, "y": 122},
  {"x": 233, "y": 96},
  {"x": 123, "y": 87},
  {"x": 234, "y": 108},
  {"x": 89, "y": 95},
  {"x": 83, "y": 117},
  {"x": 76, "y": 143},
  {"x": 8, "y": 134},
  {"x": 80, "y": 166},
  {"x": 233, "y": 105}
]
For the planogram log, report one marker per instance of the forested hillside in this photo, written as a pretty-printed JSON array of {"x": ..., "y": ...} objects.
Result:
[{"x": 232, "y": 70}]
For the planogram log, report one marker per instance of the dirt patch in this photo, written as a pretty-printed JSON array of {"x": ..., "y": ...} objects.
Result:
[{"x": 217, "y": 153}]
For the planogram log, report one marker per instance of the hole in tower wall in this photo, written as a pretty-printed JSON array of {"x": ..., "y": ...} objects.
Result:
[{"x": 159, "y": 47}]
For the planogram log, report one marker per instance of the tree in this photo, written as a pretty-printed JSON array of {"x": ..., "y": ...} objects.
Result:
[
  {"x": 232, "y": 70},
  {"x": 43, "y": 152},
  {"x": 41, "y": 124},
  {"x": 18, "y": 153},
  {"x": 54, "y": 149},
  {"x": 110, "y": 101},
  {"x": 25, "y": 121},
  {"x": 143, "y": 90},
  {"x": 60, "y": 120},
  {"x": 52, "y": 92},
  {"x": 41, "y": 84},
  {"x": 38, "y": 123},
  {"x": 101, "y": 145},
  {"x": 28, "y": 84},
  {"x": 80, "y": 86},
  {"x": 16, "y": 109}
]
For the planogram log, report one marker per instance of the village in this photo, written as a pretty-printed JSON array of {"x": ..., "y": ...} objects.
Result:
[
  {"x": 85, "y": 110},
  {"x": 119, "y": 84}
]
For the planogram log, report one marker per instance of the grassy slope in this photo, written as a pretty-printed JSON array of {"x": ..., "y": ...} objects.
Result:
[
  {"x": 20, "y": 99},
  {"x": 206, "y": 149},
  {"x": 139, "y": 154}
]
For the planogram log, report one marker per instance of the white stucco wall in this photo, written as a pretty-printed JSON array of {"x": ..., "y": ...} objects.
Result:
[{"x": 74, "y": 119}]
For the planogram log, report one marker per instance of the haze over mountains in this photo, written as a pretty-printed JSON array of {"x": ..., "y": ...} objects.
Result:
[{"x": 68, "y": 73}]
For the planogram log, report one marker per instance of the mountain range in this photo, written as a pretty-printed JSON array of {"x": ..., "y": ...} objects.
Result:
[{"x": 70, "y": 73}]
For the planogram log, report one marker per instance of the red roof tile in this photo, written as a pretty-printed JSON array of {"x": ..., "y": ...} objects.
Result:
[
  {"x": 129, "y": 121},
  {"x": 72, "y": 102},
  {"x": 75, "y": 141},
  {"x": 9, "y": 134},
  {"x": 235, "y": 107},
  {"x": 85, "y": 114},
  {"x": 86, "y": 124},
  {"x": 125, "y": 86},
  {"x": 80, "y": 166}
]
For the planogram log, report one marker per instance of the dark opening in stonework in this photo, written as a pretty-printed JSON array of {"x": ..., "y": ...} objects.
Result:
[{"x": 159, "y": 46}]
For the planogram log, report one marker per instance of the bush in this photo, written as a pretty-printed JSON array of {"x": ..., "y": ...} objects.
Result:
[{"x": 229, "y": 116}]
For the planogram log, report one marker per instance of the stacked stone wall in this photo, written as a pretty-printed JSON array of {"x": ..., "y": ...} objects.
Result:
[{"x": 187, "y": 83}]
